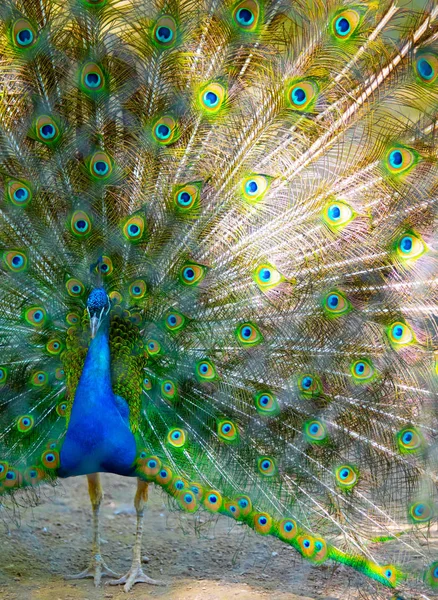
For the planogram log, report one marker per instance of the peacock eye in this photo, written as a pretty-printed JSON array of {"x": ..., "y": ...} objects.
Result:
[
  {"x": 267, "y": 277},
  {"x": 25, "y": 423},
  {"x": 410, "y": 247},
  {"x": 246, "y": 15},
  {"x": 400, "y": 160},
  {"x": 164, "y": 32},
  {"x": 426, "y": 67},
  {"x": 47, "y": 130},
  {"x": 309, "y": 385},
  {"x": 248, "y": 334},
  {"x": 92, "y": 78},
  {"x": 212, "y": 98},
  {"x": 337, "y": 215},
  {"x": 36, "y": 316},
  {"x": 153, "y": 347},
  {"x": 421, "y": 512},
  {"x": 267, "y": 466},
  {"x": 400, "y": 334},
  {"x": 346, "y": 477},
  {"x": 134, "y": 229},
  {"x": 315, "y": 432},
  {"x": 287, "y": 529},
  {"x": 24, "y": 34},
  {"x": 409, "y": 440},
  {"x": 205, "y": 370},
  {"x": 266, "y": 404},
  {"x": 227, "y": 431},
  {"x": 362, "y": 370},
  {"x": 165, "y": 131},
  {"x": 254, "y": 188},
  {"x": 174, "y": 321},
  {"x": 18, "y": 193},
  {"x": 336, "y": 304},
  {"x": 301, "y": 95},
  {"x": 75, "y": 288},
  {"x": 15, "y": 261},
  {"x": 345, "y": 24},
  {"x": 137, "y": 289},
  {"x": 177, "y": 438},
  {"x": 80, "y": 223},
  {"x": 168, "y": 389},
  {"x": 187, "y": 197},
  {"x": 192, "y": 274}
]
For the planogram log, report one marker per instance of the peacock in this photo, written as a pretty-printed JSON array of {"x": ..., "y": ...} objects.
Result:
[{"x": 218, "y": 268}]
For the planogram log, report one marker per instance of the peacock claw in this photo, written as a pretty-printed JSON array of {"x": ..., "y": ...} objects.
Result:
[
  {"x": 96, "y": 571},
  {"x": 135, "y": 575}
]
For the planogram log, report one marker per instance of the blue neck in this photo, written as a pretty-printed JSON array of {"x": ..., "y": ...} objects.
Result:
[{"x": 98, "y": 436}]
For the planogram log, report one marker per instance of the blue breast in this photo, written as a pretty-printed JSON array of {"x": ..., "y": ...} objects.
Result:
[{"x": 98, "y": 437}]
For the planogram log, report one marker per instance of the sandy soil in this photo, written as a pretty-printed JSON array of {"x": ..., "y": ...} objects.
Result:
[{"x": 218, "y": 562}]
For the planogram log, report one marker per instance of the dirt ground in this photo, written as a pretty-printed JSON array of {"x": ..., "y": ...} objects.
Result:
[{"x": 218, "y": 562}]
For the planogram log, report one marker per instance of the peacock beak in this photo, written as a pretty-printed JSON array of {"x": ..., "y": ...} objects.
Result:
[{"x": 94, "y": 325}]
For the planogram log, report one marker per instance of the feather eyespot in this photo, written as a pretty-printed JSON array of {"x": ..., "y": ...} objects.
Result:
[
  {"x": 105, "y": 266},
  {"x": 134, "y": 228},
  {"x": 147, "y": 383},
  {"x": 254, "y": 188},
  {"x": 315, "y": 432},
  {"x": 262, "y": 523},
  {"x": 73, "y": 319},
  {"x": 54, "y": 347},
  {"x": 3, "y": 375},
  {"x": 287, "y": 529},
  {"x": 267, "y": 277},
  {"x": 24, "y": 34},
  {"x": 165, "y": 131},
  {"x": 245, "y": 505},
  {"x": 400, "y": 334},
  {"x": 33, "y": 475},
  {"x": 426, "y": 67},
  {"x": 12, "y": 479},
  {"x": 337, "y": 215},
  {"x": 362, "y": 370},
  {"x": 430, "y": 576},
  {"x": 100, "y": 165},
  {"x": 80, "y": 223},
  {"x": 246, "y": 15},
  {"x": 153, "y": 347},
  {"x": 421, "y": 512},
  {"x": 187, "y": 501},
  {"x": 15, "y": 260},
  {"x": 75, "y": 288},
  {"x": 164, "y": 32},
  {"x": 267, "y": 466},
  {"x": 336, "y": 304},
  {"x": 25, "y": 423},
  {"x": 36, "y": 316},
  {"x": 92, "y": 78},
  {"x": 187, "y": 197},
  {"x": 192, "y": 274},
  {"x": 174, "y": 321},
  {"x": 39, "y": 379},
  {"x": 213, "y": 501},
  {"x": 50, "y": 459},
  {"x": 401, "y": 160},
  {"x": 301, "y": 95},
  {"x": 410, "y": 247},
  {"x": 47, "y": 130},
  {"x": 346, "y": 477},
  {"x": 168, "y": 390},
  {"x": 227, "y": 431},
  {"x": 211, "y": 98},
  {"x": 409, "y": 440},
  {"x": 137, "y": 289},
  {"x": 19, "y": 193},
  {"x": 205, "y": 371},
  {"x": 309, "y": 385},
  {"x": 164, "y": 476},
  {"x": 266, "y": 404},
  {"x": 177, "y": 438},
  {"x": 248, "y": 334},
  {"x": 61, "y": 409},
  {"x": 345, "y": 24}
]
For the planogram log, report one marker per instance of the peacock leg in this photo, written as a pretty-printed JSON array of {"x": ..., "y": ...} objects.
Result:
[
  {"x": 136, "y": 574},
  {"x": 97, "y": 568}
]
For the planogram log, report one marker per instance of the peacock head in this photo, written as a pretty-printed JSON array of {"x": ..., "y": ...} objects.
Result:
[{"x": 98, "y": 307}]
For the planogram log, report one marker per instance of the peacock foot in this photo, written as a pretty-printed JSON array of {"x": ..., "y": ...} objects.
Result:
[
  {"x": 135, "y": 575},
  {"x": 96, "y": 570}
]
